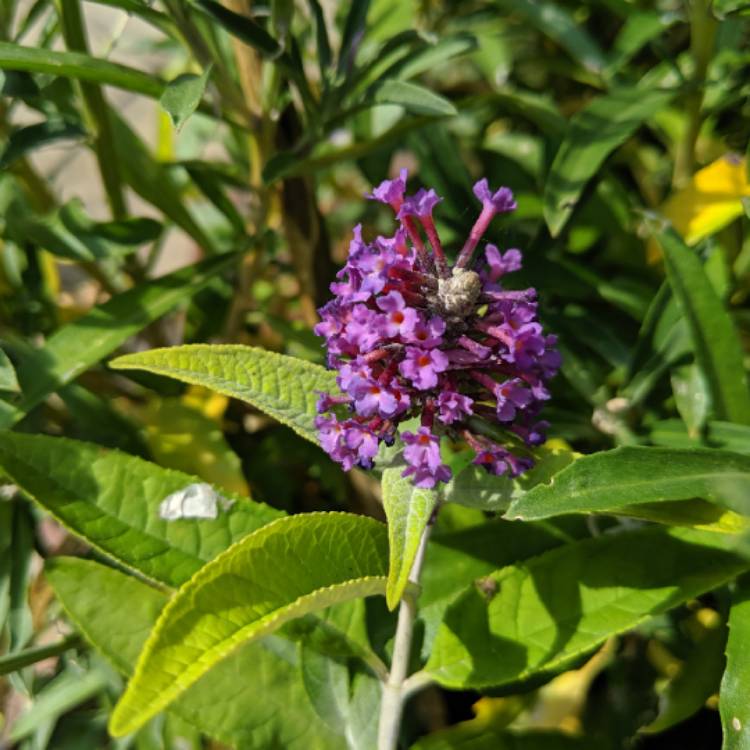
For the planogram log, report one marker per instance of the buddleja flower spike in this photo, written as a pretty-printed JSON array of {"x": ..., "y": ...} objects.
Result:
[{"x": 411, "y": 336}]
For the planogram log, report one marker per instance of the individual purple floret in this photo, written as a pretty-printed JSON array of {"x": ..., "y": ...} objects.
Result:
[{"x": 411, "y": 336}]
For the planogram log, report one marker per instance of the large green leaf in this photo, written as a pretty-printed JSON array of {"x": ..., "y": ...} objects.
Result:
[
  {"x": 735, "y": 685},
  {"x": 408, "y": 510},
  {"x": 475, "y": 488},
  {"x": 289, "y": 568},
  {"x": 592, "y": 135},
  {"x": 112, "y": 500},
  {"x": 458, "y": 558},
  {"x": 611, "y": 481},
  {"x": 80, "y": 66},
  {"x": 74, "y": 348},
  {"x": 717, "y": 348},
  {"x": 541, "y": 614},
  {"x": 284, "y": 387},
  {"x": 244, "y": 701}
]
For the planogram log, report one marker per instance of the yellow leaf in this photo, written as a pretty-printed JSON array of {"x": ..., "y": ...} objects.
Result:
[{"x": 711, "y": 200}]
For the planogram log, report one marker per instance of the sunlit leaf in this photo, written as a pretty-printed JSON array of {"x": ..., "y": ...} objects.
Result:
[
  {"x": 284, "y": 387},
  {"x": 548, "y": 610},
  {"x": 289, "y": 568},
  {"x": 112, "y": 500}
]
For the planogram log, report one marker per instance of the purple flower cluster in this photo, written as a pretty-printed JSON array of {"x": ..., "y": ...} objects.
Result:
[{"x": 411, "y": 336}]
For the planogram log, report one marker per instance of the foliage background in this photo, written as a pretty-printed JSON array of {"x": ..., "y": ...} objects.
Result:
[{"x": 247, "y": 172}]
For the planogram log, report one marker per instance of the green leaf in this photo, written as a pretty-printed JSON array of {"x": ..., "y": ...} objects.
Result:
[
  {"x": 112, "y": 500},
  {"x": 735, "y": 685},
  {"x": 183, "y": 95},
  {"x": 408, "y": 510},
  {"x": 592, "y": 135},
  {"x": 70, "y": 233},
  {"x": 610, "y": 481},
  {"x": 283, "y": 387},
  {"x": 543, "y": 613},
  {"x": 75, "y": 347},
  {"x": 556, "y": 22},
  {"x": 24, "y": 140},
  {"x": 241, "y": 27},
  {"x": 476, "y": 735},
  {"x": 695, "y": 682},
  {"x": 715, "y": 342},
  {"x": 456, "y": 559},
  {"x": 475, "y": 488},
  {"x": 8, "y": 379},
  {"x": 15, "y": 661},
  {"x": 155, "y": 182},
  {"x": 413, "y": 98},
  {"x": 66, "y": 691},
  {"x": 95, "y": 596},
  {"x": 79, "y": 66},
  {"x": 287, "y": 569}
]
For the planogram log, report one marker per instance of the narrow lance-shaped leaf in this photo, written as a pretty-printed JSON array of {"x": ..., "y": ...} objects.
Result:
[
  {"x": 27, "y": 139},
  {"x": 413, "y": 98},
  {"x": 112, "y": 500},
  {"x": 80, "y": 66},
  {"x": 611, "y": 481},
  {"x": 735, "y": 685},
  {"x": 74, "y": 348},
  {"x": 592, "y": 135},
  {"x": 717, "y": 348},
  {"x": 542, "y": 614},
  {"x": 94, "y": 597},
  {"x": 289, "y": 568},
  {"x": 408, "y": 510},
  {"x": 284, "y": 387}
]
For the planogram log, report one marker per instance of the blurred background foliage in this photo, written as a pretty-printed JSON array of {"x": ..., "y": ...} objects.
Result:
[{"x": 178, "y": 172}]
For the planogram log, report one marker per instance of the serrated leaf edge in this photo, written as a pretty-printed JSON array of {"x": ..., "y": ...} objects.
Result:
[{"x": 125, "y": 719}]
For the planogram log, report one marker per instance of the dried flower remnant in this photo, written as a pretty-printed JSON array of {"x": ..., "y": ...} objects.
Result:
[{"x": 412, "y": 336}]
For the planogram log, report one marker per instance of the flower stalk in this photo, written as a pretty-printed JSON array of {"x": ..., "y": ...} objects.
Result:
[{"x": 394, "y": 693}]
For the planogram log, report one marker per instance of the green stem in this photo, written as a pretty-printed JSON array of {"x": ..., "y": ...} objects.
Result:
[
  {"x": 13, "y": 662},
  {"x": 702, "y": 38},
  {"x": 392, "y": 704},
  {"x": 97, "y": 110}
]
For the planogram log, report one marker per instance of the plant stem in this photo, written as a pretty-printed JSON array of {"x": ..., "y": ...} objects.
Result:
[
  {"x": 391, "y": 707},
  {"x": 702, "y": 38}
]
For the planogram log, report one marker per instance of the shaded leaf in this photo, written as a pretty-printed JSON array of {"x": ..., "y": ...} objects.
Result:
[
  {"x": 112, "y": 500},
  {"x": 289, "y": 568},
  {"x": 735, "y": 685},
  {"x": 593, "y": 133},
  {"x": 27, "y": 139},
  {"x": 75, "y": 347},
  {"x": 475, "y": 737},
  {"x": 284, "y": 387},
  {"x": 8, "y": 379},
  {"x": 562, "y": 604},
  {"x": 555, "y": 21},
  {"x": 715, "y": 342},
  {"x": 413, "y": 98}
]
